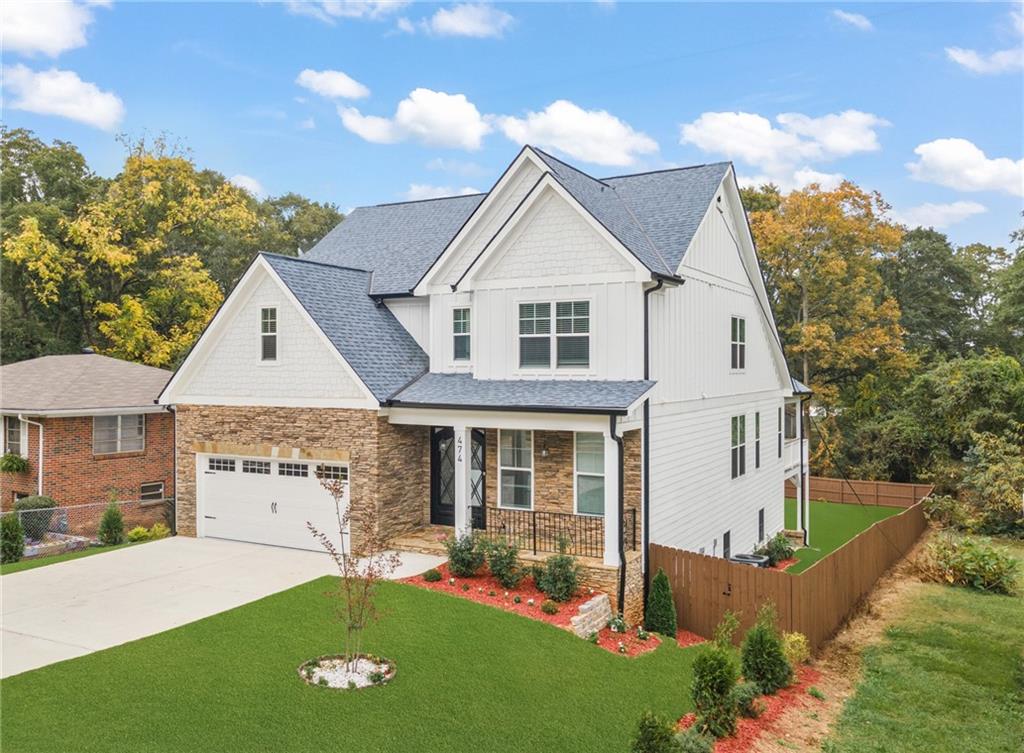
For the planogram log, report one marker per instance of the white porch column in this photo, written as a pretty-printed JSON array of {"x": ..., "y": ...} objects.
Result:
[
  {"x": 463, "y": 465},
  {"x": 611, "y": 500}
]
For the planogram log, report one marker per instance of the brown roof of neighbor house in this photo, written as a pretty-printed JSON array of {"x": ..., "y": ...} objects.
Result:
[{"x": 80, "y": 382}]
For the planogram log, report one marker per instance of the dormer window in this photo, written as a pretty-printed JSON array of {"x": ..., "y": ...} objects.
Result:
[
  {"x": 739, "y": 343},
  {"x": 460, "y": 334},
  {"x": 571, "y": 335},
  {"x": 268, "y": 334}
]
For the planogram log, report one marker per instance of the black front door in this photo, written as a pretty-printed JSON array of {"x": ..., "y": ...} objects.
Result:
[{"x": 442, "y": 477}]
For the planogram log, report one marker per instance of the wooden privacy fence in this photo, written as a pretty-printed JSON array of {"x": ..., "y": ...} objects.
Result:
[
  {"x": 886, "y": 493},
  {"x": 815, "y": 602}
]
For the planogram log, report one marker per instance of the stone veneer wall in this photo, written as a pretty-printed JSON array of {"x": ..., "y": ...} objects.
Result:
[{"x": 387, "y": 464}]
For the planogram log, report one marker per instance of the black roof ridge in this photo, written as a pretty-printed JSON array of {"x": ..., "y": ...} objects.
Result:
[
  {"x": 422, "y": 201},
  {"x": 314, "y": 261},
  {"x": 667, "y": 170},
  {"x": 571, "y": 167}
]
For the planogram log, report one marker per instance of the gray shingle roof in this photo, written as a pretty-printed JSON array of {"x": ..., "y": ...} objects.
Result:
[
  {"x": 464, "y": 392},
  {"x": 367, "y": 335},
  {"x": 78, "y": 382},
  {"x": 799, "y": 388}
]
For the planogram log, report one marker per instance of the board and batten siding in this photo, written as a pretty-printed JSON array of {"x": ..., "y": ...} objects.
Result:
[{"x": 414, "y": 315}]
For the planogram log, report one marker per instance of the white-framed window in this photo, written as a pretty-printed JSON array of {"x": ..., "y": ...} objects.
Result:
[
  {"x": 261, "y": 467},
  {"x": 739, "y": 446},
  {"x": 569, "y": 338},
  {"x": 461, "y": 334},
  {"x": 589, "y": 470},
  {"x": 268, "y": 334},
  {"x": 780, "y": 432},
  {"x": 152, "y": 491},
  {"x": 293, "y": 469},
  {"x": 790, "y": 420},
  {"x": 515, "y": 469},
  {"x": 739, "y": 343},
  {"x": 332, "y": 472},
  {"x": 221, "y": 464},
  {"x": 757, "y": 440},
  {"x": 727, "y": 544},
  {"x": 12, "y": 436},
  {"x": 760, "y": 525},
  {"x": 124, "y": 433}
]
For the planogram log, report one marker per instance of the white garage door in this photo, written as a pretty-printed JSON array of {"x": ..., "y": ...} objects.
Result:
[{"x": 267, "y": 501}]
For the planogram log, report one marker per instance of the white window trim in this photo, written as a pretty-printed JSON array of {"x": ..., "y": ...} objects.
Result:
[
  {"x": 741, "y": 446},
  {"x": 531, "y": 469},
  {"x": 757, "y": 440},
  {"x": 22, "y": 436},
  {"x": 163, "y": 492},
  {"x": 119, "y": 451},
  {"x": 259, "y": 334},
  {"x": 743, "y": 369},
  {"x": 576, "y": 473},
  {"x": 456, "y": 362},
  {"x": 553, "y": 369}
]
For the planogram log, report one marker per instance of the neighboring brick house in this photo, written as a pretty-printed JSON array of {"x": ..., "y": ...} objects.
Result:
[
  {"x": 102, "y": 432},
  {"x": 526, "y": 362}
]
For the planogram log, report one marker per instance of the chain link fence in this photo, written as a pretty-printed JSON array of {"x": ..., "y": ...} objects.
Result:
[{"x": 51, "y": 530}]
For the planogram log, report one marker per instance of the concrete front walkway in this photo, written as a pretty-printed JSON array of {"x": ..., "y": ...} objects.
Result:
[{"x": 72, "y": 608}]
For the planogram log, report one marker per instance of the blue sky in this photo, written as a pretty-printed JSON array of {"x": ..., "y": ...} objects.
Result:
[{"x": 923, "y": 102}]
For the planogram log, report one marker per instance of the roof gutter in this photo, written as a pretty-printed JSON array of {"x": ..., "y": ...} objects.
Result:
[
  {"x": 621, "y": 495},
  {"x": 39, "y": 472},
  {"x": 514, "y": 408}
]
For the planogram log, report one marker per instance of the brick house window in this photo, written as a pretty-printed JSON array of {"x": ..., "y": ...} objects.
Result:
[
  {"x": 151, "y": 492},
  {"x": 571, "y": 335},
  {"x": 739, "y": 446},
  {"x": 268, "y": 334},
  {"x": 460, "y": 334},
  {"x": 515, "y": 469},
  {"x": 126, "y": 433},
  {"x": 12, "y": 436},
  {"x": 589, "y": 469},
  {"x": 739, "y": 343}
]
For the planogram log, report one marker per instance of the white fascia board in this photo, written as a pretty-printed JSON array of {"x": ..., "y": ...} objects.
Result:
[
  {"x": 426, "y": 285},
  {"x": 508, "y": 231},
  {"x": 496, "y": 419},
  {"x": 76, "y": 412},
  {"x": 282, "y": 402}
]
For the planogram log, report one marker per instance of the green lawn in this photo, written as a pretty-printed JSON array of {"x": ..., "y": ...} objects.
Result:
[
  {"x": 948, "y": 678},
  {"x": 17, "y": 567},
  {"x": 469, "y": 678},
  {"x": 832, "y": 525}
]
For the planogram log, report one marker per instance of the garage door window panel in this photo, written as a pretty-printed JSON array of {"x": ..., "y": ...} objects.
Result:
[{"x": 299, "y": 470}]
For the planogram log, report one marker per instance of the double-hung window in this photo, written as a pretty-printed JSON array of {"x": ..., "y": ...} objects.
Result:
[
  {"x": 757, "y": 440},
  {"x": 460, "y": 334},
  {"x": 739, "y": 446},
  {"x": 739, "y": 343},
  {"x": 12, "y": 436},
  {"x": 515, "y": 469},
  {"x": 125, "y": 433},
  {"x": 589, "y": 473},
  {"x": 268, "y": 334},
  {"x": 571, "y": 335},
  {"x": 790, "y": 420}
]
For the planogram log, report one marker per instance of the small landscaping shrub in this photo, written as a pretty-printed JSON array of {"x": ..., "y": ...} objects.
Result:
[
  {"x": 159, "y": 531},
  {"x": 714, "y": 677},
  {"x": 432, "y": 576},
  {"x": 560, "y": 576},
  {"x": 111, "y": 526},
  {"x": 12, "y": 462},
  {"x": 36, "y": 521},
  {"x": 465, "y": 554},
  {"x": 660, "y": 616},
  {"x": 972, "y": 563},
  {"x": 503, "y": 560},
  {"x": 617, "y": 624},
  {"x": 465, "y": 586},
  {"x": 795, "y": 648},
  {"x": 762, "y": 657},
  {"x": 693, "y": 741},
  {"x": 946, "y": 511},
  {"x": 517, "y": 599},
  {"x": 747, "y": 697},
  {"x": 642, "y": 634},
  {"x": 12, "y": 538},
  {"x": 139, "y": 533},
  {"x": 655, "y": 734},
  {"x": 549, "y": 607},
  {"x": 777, "y": 549},
  {"x": 726, "y": 629}
]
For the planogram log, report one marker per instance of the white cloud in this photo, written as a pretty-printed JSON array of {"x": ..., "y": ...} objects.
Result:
[
  {"x": 405, "y": 26},
  {"x": 307, "y": 125},
  {"x": 430, "y": 117},
  {"x": 855, "y": 20},
  {"x": 332, "y": 84},
  {"x": 939, "y": 216},
  {"x": 456, "y": 167},
  {"x": 783, "y": 153},
  {"x": 420, "y": 191},
  {"x": 49, "y": 28},
  {"x": 469, "y": 20},
  {"x": 248, "y": 183},
  {"x": 958, "y": 163},
  {"x": 594, "y": 136},
  {"x": 328, "y": 11},
  {"x": 62, "y": 93},
  {"x": 1002, "y": 61}
]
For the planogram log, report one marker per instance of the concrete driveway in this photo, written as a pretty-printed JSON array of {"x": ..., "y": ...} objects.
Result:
[{"x": 73, "y": 608}]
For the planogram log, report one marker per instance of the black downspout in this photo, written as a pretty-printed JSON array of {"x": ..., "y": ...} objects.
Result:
[
  {"x": 621, "y": 506},
  {"x": 805, "y": 505},
  {"x": 646, "y": 513}
]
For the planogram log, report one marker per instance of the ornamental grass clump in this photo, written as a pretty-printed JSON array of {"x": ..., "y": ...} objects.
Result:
[
  {"x": 778, "y": 549},
  {"x": 762, "y": 658},
  {"x": 660, "y": 616},
  {"x": 466, "y": 554}
]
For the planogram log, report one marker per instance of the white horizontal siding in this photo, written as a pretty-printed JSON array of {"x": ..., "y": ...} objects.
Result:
[{"x": 414, "y": 315}]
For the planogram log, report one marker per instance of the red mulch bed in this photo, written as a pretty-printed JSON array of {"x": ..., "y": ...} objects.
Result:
[
  {"x": 785, "y": 564},
  {"x": 685, "y": 638},
  {"x": 609, "y": 641},
  {"x": 748, "y": 731}
]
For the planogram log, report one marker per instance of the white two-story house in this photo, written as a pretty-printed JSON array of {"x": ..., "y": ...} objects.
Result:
[{"x": 564, "y": 360}]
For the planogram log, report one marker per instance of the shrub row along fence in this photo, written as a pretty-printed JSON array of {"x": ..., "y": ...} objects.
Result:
[
  {"x": 61, "y": 524},
  {"x": 815, "y": 602},
  {"x": 885, "y": 493}
]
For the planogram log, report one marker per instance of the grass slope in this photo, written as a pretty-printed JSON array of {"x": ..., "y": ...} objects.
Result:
[
  {"x": 17, "y": 567},
  {"x": 470, "y": 678},
  {"x": 949, "y": 678},
  {"x": 832, "y": 525}
]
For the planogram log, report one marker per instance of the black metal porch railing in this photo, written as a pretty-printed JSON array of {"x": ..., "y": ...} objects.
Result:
[{"x": 541, "y": 531}]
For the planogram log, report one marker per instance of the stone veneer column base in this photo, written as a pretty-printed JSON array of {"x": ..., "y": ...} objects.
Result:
[{"x": 606, "y": 578}]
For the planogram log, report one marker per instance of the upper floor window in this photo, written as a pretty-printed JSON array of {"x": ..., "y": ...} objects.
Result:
[
  {"x": 460, "y": 334},
  {"x": 12, "y": 436},
  {"x": 757, "y": 440},
  {"x": 571, "y": 335},
  {"x": 589, "y": 473},
  {"x": 125, "y": 433},
  {"x": 780, "y": 432},
  {"x": 739, "y": 446},
  {"x": 739, "y": 343},
  {"x": 268, "y": 334},
  {"x": 790, "y": 420},
  {"x": 515, "y": 469}
]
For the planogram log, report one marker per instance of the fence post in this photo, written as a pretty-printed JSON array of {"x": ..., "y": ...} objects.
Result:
[{"x": 533, "y": 522}]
